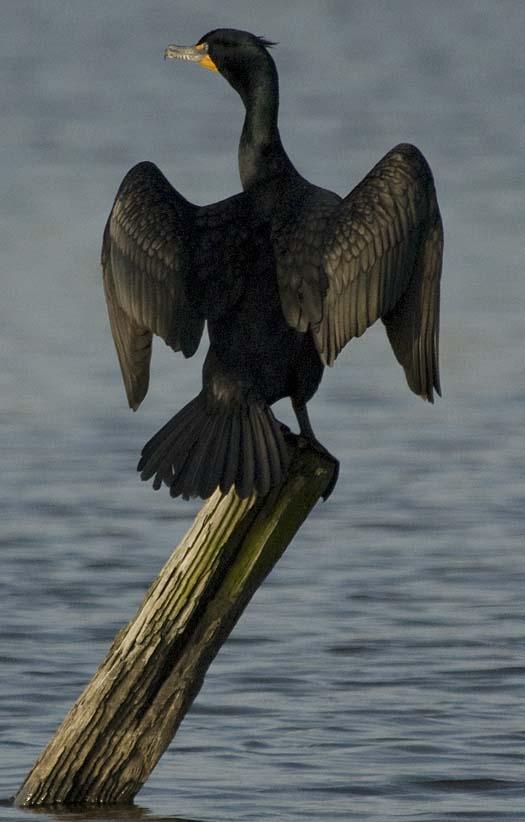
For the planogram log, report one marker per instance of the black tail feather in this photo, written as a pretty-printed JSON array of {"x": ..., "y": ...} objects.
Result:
[
  {"x": 202, "y": 448},
  {"x": 230, "y": 467},
  {"x": 246, "y": 466},
  {"x": 217, "y": 458},
  {"x": 262, "y": 459}
]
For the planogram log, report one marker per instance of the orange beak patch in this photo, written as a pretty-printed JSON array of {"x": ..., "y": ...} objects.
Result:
[{"x": 206, "y": 61}]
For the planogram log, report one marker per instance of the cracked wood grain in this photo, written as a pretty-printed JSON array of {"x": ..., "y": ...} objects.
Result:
[{"x": 118, "y": 729}]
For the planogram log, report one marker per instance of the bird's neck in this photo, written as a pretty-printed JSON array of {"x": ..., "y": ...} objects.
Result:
[{"x": 261, "y": 153}]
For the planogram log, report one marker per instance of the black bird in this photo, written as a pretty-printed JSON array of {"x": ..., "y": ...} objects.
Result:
[{"x": 285, "y": 274}]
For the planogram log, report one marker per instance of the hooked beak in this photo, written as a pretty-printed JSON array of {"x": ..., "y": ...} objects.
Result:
[{"x": 193, "y": 54}]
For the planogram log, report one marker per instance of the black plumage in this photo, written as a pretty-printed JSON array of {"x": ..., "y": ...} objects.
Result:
[{"x": 284, "y": 274}]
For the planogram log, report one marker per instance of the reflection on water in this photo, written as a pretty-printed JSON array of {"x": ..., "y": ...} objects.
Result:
[
  {"x": 127, "y": 813},
  {"x": 378, "y": 674}
]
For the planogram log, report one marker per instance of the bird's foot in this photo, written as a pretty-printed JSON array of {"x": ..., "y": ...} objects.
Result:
[{"x": 317, "y": 446}]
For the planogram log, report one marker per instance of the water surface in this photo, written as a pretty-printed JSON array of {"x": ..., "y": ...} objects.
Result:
[{"x": 379, "y": 673}]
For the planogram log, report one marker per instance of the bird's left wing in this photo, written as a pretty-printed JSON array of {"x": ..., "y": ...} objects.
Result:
[
  {"x": 382, "y": 254},
  {"x": 146, "y": 267}
]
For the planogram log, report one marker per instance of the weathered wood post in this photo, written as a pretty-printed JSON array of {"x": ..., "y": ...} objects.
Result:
[{"x": 119, "y": 727}]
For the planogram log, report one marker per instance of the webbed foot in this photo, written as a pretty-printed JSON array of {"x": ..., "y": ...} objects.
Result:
[{"x": 317, "y": 446}]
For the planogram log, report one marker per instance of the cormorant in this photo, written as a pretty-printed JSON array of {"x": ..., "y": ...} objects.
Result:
[{"x": 285, "y": 274}]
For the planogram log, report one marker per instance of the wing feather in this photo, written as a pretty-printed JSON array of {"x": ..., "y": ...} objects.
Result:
[
  {"x": 145, "y": 255},
  {"x": 413, "y": 325},
  {"x": 344, "y": 264},
  {"x": 382, "y": 259},
  {"x": 168, "y": 265}
]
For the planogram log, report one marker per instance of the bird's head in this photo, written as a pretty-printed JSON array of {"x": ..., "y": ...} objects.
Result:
[{"x": 239, "y": 56}]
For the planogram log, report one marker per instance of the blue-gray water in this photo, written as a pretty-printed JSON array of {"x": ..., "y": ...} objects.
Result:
[{"x": 379, "y": 674}]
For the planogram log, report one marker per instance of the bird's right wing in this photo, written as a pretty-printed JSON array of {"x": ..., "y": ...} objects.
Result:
[{"x": 145, "y": 263}]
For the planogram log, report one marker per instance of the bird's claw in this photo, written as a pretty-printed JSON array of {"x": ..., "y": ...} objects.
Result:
[{"x": 304, "y": 442}]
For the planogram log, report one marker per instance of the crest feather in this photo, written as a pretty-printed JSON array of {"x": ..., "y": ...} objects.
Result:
[{"x": 268, "y": 44}]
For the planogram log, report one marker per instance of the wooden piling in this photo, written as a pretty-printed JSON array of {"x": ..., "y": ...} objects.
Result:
[{"x": 116, "y": 732}]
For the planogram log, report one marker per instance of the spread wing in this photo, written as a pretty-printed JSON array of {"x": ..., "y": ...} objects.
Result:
[
  {"x": 343, "y": 264},
  {"x": 167, "y": 266},
  {"x": 145, "y": 255},
  {"x": 382, "y": 257}
]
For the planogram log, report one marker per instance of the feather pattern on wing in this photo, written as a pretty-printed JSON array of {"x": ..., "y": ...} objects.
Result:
[
  {"x": 168, "y": 265},
  {"x": 145, "y": 266},
  {"x": 342, "y": 265},
  {"x": 383, "y": 258}
]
